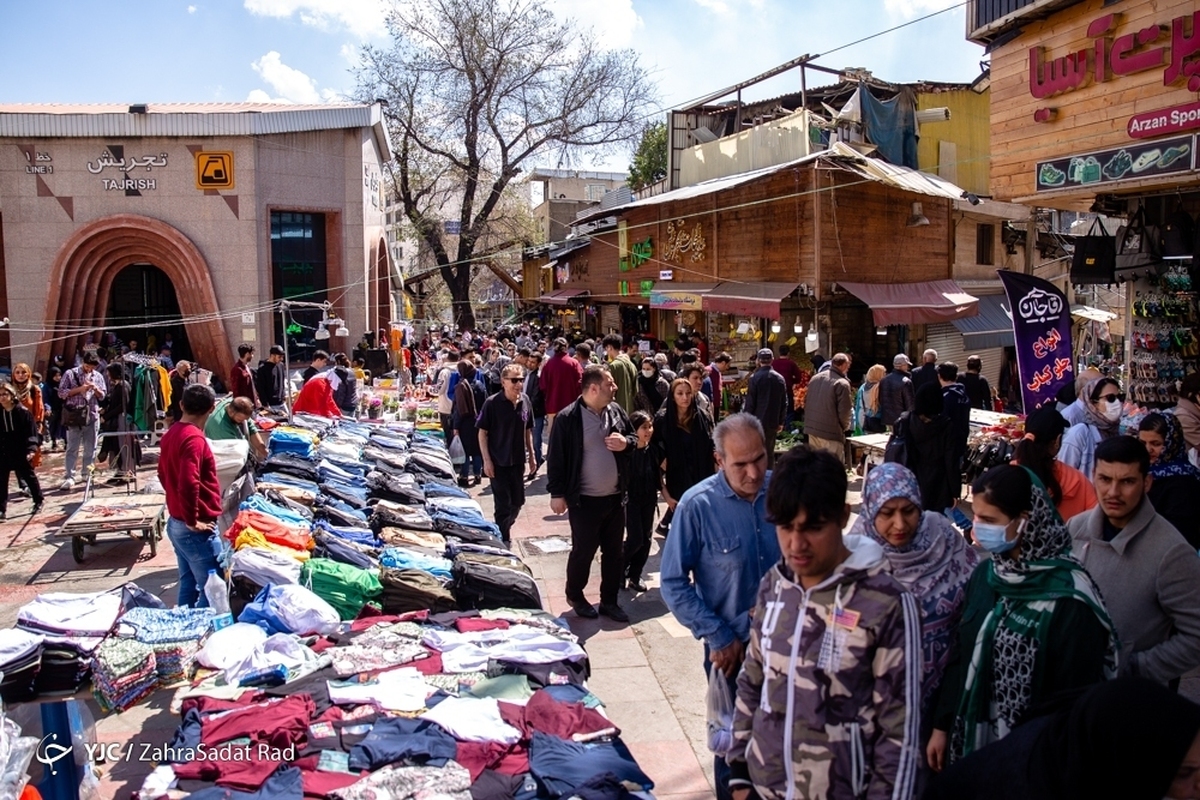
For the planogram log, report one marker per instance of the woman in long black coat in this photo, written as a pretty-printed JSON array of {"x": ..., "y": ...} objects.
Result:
[
  {"x": 684, "y": 435},
  {"x": 18, "y": 446},
  {"x": 931, "y": 450},
  {"x": 468, "y": 399}
]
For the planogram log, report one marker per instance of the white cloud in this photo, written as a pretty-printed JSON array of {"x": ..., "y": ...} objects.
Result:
[
  {"x": 289, "y": 84},
  {"x": 713, "y": 5},
  {"x": 259, "y": 96},
  {"x": 614, "y": 22},
  {"x": 913, "y": 8},
  {"x": 364, "y": 18},
  {"x": 191, "y": 9},
  {"x": 349, "y": 53}
]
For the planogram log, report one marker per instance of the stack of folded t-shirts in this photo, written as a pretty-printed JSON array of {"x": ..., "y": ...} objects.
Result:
[
  {"x": 291, "y": 439},
  {"x": 73, "y": 626},
  {"x": 20, "y": 659},
  {"x": 345, "y": 587},
  {"x": 124, "y": 673},
  {"x": 289, "y": 487},
  {"x": 175, "y": 634},
  {"x": 267, "y": 532}
]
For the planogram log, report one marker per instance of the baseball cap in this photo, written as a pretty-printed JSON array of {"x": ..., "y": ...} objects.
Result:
[
  {"x": 901, "y": 360},
  {"x": 766, "y": 355}
]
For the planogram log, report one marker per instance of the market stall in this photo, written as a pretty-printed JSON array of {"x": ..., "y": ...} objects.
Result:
[{"x": 385, "y": 641}]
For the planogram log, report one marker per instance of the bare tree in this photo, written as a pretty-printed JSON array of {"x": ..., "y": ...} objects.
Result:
[{"x": 477, "y": 88}]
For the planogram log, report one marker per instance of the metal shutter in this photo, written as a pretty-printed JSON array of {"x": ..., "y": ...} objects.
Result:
[{"x": 946, "y": 339}]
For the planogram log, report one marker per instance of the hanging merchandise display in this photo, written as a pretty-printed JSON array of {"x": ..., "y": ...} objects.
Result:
[{"x": 1165, "y": 340}]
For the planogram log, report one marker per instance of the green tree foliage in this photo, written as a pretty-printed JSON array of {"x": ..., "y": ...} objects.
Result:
[{"x": 650, "y": 159}]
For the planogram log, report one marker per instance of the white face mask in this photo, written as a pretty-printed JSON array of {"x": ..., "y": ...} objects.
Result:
[
  {"x": 649, "y": 373},
  {"x": 1112, "y": 410}
]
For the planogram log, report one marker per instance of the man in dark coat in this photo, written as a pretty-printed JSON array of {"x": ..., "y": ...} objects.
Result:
[
  {"x": 766, "y": 398},
  {"x": 896, "y": 391}
]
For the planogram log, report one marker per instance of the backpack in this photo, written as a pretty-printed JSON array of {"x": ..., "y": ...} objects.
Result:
[
  {"x": 413, "y": 590},
  {"x": 896, "y": 451},
  {"x": 484, "y": 586}
]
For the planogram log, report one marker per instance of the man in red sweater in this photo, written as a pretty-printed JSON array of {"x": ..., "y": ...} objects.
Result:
[
  {"x": 241, "y": 379},
  {"x": 560, "y": 381},
  {"x": 188, "y": 473}
]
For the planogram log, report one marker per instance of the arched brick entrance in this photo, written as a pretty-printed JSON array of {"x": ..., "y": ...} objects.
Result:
[{"x": 81, "y": 283}]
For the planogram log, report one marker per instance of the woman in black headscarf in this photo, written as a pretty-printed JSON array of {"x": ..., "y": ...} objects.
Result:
[
  {"x": 931, "y": 450},
  {"x": 652, "y": 388},
  {"x": 1125, "y": 739}
]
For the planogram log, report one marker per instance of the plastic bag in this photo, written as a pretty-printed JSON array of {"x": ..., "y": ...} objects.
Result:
[
  {"x": 458, "y": 455},
  {"x": 720, "y": 713}
]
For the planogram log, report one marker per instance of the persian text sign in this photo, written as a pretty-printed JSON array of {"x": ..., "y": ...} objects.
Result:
[
  {"x": 1041, "y": 319},
  {"x": 676, "y": 301}
]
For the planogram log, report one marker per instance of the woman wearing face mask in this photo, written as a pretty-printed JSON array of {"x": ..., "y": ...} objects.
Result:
[
  {"x": 18, "y": 446},
  {"x": 1125, "y": 739},
  {"x": 1033, "y": 624},
  {"x": 1104, "y": 402},
  {"x": 652, "y": 388},
  {"x": 928, "y": 557},
  {"x": 1175, "y": 490},
  {"x": 684, "y": 436}
]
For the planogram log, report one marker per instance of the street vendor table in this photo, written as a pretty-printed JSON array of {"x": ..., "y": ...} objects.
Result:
[
  {"x": 135, "y": 516},
  {"x": 985, "y": 419},
  {"x": 869, "y": 446}
]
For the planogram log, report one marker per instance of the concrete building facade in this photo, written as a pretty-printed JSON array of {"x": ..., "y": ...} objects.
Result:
[{"x": 191, "y": 218}]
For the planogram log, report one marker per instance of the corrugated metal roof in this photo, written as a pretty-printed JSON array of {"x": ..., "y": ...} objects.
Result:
[
  {"x": 839, "y": 155},
  {"x": 19, "y": 120}
]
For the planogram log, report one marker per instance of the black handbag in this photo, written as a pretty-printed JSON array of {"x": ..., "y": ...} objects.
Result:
[
  {"x": 1178, "y": 234},
  {"x": 1137, "y": 249},
  {"x": 75, "y": 416},
  {"x": 1095, "y": 256}
]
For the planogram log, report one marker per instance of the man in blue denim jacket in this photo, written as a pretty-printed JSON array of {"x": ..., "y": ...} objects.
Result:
[{"x": 720, "y": 546}]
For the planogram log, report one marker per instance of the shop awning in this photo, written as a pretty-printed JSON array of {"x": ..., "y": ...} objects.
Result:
[
  {"x": 563, "y": 297},
  {"x": 748, "y": 299},
  {"x": 1093, "y": 314},
  {"x": 992, "y": 328},
  {"x": 914, "y": 303},
  {"x": 680, "y": 296}
]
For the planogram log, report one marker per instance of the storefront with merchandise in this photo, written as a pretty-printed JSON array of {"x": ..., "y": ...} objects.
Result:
[
  {"x": 762, "y": 259},
  {"x": 1094, "y": 108}
]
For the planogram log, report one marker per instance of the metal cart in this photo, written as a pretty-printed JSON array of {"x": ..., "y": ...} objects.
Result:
[{"x": 136, "y": 516}]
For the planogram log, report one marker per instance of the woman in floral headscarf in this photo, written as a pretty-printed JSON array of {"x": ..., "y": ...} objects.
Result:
[
  {"x": 1175, "y": 490},
  {"x": 927, "y": 556},
  {"x": 1033, "y": 622}
]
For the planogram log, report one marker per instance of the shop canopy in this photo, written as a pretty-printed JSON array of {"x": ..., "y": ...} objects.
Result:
[
  {"x": 992, "y": 328},
  {"x": 563, "y": 297},
  {"x": 925, "y": 303},
  {"x": 680, "y": 296},
  {"x": 760, "y": 299}
]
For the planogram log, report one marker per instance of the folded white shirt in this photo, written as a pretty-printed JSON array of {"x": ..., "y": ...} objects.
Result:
[
  {"x": 402, "y": 689},
  {"x": 473, "y": 719},
  {"x": 16, "y": 644},
  {"x": 70, "y": 614},
  {"x": 469, "y": 652}
]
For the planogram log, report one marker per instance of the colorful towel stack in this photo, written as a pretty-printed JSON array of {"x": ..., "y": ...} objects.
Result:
[{"x": 124, "y": 673}]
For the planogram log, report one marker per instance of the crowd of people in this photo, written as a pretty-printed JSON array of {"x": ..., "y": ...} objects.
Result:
[{"x": 914, "y": 651}]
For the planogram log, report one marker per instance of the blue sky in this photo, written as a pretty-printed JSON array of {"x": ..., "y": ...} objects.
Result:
[{"x": 132, "y": 51}]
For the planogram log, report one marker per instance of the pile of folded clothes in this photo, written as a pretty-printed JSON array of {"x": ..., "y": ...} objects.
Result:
[
  {"x": 20, "y": 660},
  {"x": 124, "y": 673},
  {"x": 72, "y": 627},
  {"x": 174, "y": 634}
]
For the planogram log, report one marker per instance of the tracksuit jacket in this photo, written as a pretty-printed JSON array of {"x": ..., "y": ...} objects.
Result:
[{"x": 828, "y": 699}]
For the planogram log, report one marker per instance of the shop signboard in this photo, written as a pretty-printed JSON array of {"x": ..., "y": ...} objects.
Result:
[
  {"x": 676, "y": 301},
  {"x": 1041, "y": 318},
  {"x": 1134, "y": 160}
]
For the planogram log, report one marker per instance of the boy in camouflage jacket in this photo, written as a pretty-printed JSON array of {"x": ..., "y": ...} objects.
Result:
[{"x": 828, "y": 698}]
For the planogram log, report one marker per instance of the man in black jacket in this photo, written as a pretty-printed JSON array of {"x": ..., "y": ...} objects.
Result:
[
  {"x": 896, "y": 391},
  {"x": 766, "y": 398},
  {"x": 586, "y": 478},
  {"x": 271, "y": 380},
  {"x": 927, "y": 372}
]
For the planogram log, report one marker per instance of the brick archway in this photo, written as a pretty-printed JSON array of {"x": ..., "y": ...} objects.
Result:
[{"x": 81, "y": 283}]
